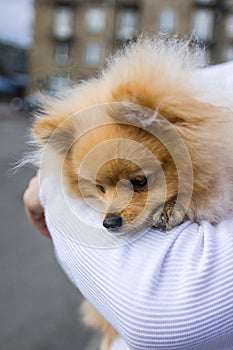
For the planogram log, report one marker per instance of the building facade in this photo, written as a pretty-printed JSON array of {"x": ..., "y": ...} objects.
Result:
[{"x": 73, "y": 37}]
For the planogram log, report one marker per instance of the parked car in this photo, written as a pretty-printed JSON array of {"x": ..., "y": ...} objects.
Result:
[{"x": 7, "y": 87}]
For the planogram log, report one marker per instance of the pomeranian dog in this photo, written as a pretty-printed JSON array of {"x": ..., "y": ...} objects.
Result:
[{"x": 147, "y": 139}]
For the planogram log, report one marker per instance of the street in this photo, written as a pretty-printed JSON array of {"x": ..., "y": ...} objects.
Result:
[{"x": 39, "y": 306}]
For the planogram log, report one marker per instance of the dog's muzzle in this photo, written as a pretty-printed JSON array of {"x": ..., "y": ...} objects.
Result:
[{"x": 112, "y": 222}]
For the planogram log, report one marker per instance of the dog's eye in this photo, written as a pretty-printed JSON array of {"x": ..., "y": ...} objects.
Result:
[
  {"x": 101, "y": 188},
  {"x": 139, "y": 182}
]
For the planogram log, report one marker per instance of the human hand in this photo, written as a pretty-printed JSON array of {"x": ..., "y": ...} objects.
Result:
[{"x": 33, "y": 208}]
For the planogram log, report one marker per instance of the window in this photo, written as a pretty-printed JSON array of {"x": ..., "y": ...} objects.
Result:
[
  {"x": 203, "y": 24},
  {"x": 229, "y": 53},
  {"x": 95, "y": 20},
  {"x": 205, "y": 2},
  {"x": 205, "y": 57},
  {"x": 229, "y": 26},
  {"x": 229, "y": 4},
  {"x": 58, "y": 83},
  {"x": 127, "y": 23},
  {"x": 167, "y": 20},
  {"x": 61, "y": 53},
  {"x": 63, "y": 22},
  {"x": 93, "y": 54}
]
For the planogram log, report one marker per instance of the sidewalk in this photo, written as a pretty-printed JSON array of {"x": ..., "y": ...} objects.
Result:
[
  {"x": 7, "y": 113},
  {"x": 38, "y": 304},
  {"x": 94, "y": 344}
]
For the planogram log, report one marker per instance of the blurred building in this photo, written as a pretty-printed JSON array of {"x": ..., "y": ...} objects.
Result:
[
  {"x": 13, "y": 60},
  {"x": 72, "y": 37},
  {"x": 13, "y": 70}
]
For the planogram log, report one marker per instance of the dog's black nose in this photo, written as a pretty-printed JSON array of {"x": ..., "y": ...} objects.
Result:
[{"x": 112, "y": 221}]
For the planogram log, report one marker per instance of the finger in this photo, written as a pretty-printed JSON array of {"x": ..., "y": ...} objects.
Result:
[{"x": 38, "y": 221}]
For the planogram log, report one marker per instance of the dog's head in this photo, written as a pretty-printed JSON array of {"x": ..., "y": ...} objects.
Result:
[
  {"x": 127, "y": 169},
  {"x": 140, "y": 144}
]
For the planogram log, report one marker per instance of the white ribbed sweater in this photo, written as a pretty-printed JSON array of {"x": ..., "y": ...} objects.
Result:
[{"x": 161, "y": 291}]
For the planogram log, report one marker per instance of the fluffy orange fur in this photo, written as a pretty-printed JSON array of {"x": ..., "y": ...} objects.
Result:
[{"x": 110, "y": 130}]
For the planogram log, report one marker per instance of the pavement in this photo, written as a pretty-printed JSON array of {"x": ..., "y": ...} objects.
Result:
[{"x": 38, "y": 305}]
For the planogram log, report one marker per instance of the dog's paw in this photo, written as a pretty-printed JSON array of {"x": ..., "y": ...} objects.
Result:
[{"x": 169, "y": 216}]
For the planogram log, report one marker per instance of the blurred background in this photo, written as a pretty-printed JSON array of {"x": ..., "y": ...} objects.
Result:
[{"x": 46, "y": 45}]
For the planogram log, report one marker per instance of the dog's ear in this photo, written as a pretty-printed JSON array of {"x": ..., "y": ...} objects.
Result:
[
  {"x": 179, "y": 112},
  {"x": 144, "y": 108},
  {"x": 131, "y": 113},
  {"x": 188, "y": 111},
  {"x": 57, "y": 132}
]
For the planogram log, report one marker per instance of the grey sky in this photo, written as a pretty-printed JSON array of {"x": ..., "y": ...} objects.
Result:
[{"x": 16, "y": 21}]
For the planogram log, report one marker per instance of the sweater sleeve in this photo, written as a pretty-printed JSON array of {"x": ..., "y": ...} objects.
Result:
[
  {"x": 159, "y": 290},
  {"x": 214, "y": 84}
]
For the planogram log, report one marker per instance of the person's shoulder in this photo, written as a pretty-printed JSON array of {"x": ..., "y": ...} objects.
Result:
[{"x": 220, "y": 73}]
